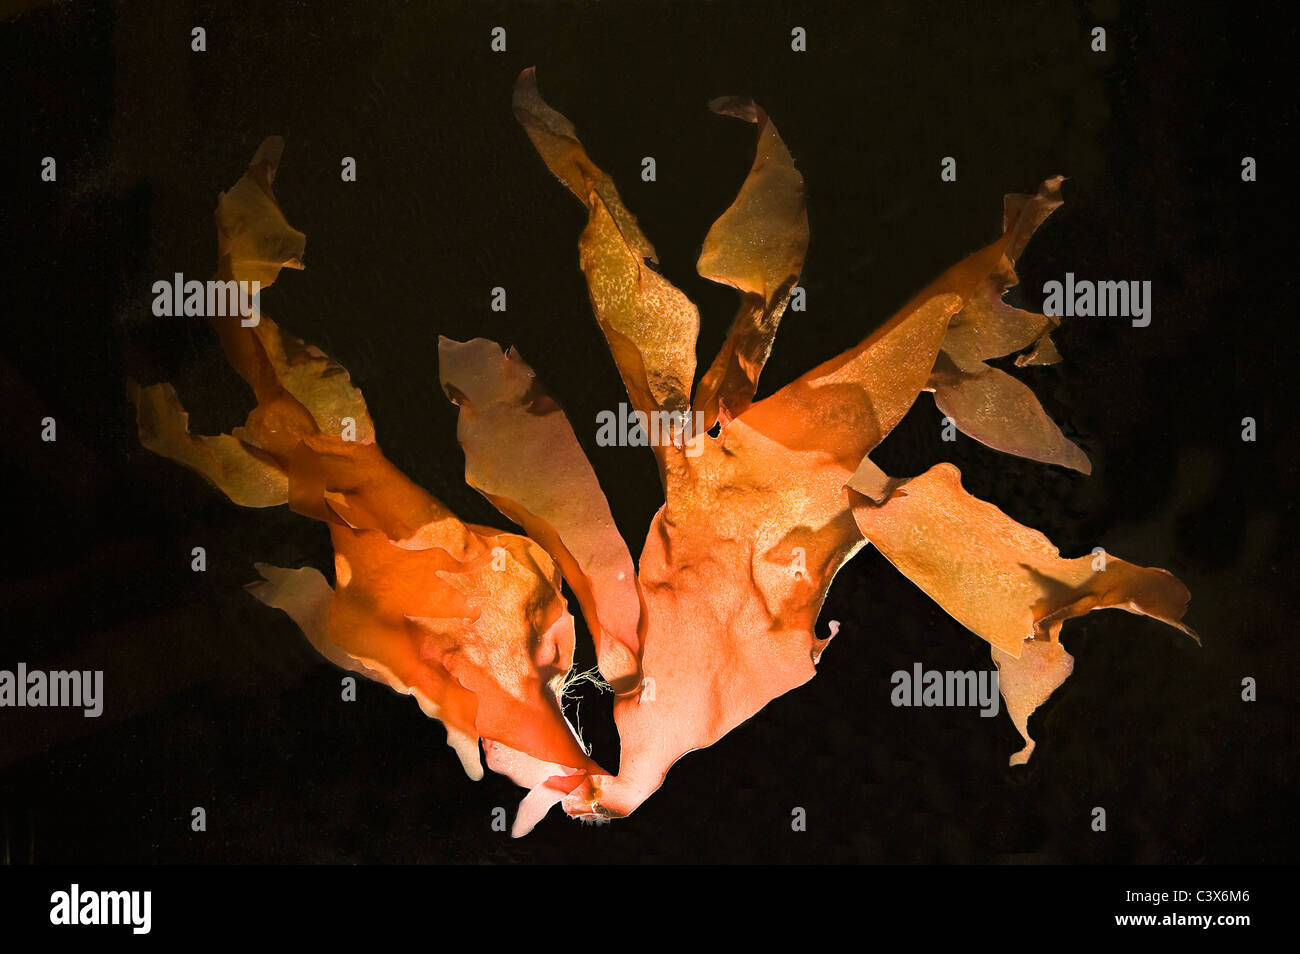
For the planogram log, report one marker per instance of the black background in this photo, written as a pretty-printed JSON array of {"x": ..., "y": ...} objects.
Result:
[{"x": 218, "y": 701}]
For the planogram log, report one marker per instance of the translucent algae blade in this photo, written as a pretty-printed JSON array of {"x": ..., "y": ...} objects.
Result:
[
  {"x": 237, "y": 469},
  {"x": 651, "y": 327},
  {"x": 556, "y": 141},
  {"x": 1005, "y": 582},
  {"x": 1028, "y": 681},
  {"x": 984, "y": 402},
  {"x": 1002, "y": 580},
  {"x": 987, "y": 327},
  {"x": 847, "y": 405},
  {"x": 757, "y": 246},
  {"x": 521, "y": 453},
  {"x": 1001, "y": 412},
  {"x": 734, "y": 571},
  {"x": 254, "y": 239}
]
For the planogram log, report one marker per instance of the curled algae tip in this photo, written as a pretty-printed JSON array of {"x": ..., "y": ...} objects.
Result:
[{"x": 761, "y": 507}]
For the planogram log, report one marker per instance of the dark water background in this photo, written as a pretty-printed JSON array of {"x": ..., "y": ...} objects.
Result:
[{"x": 215, "y": 700}]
